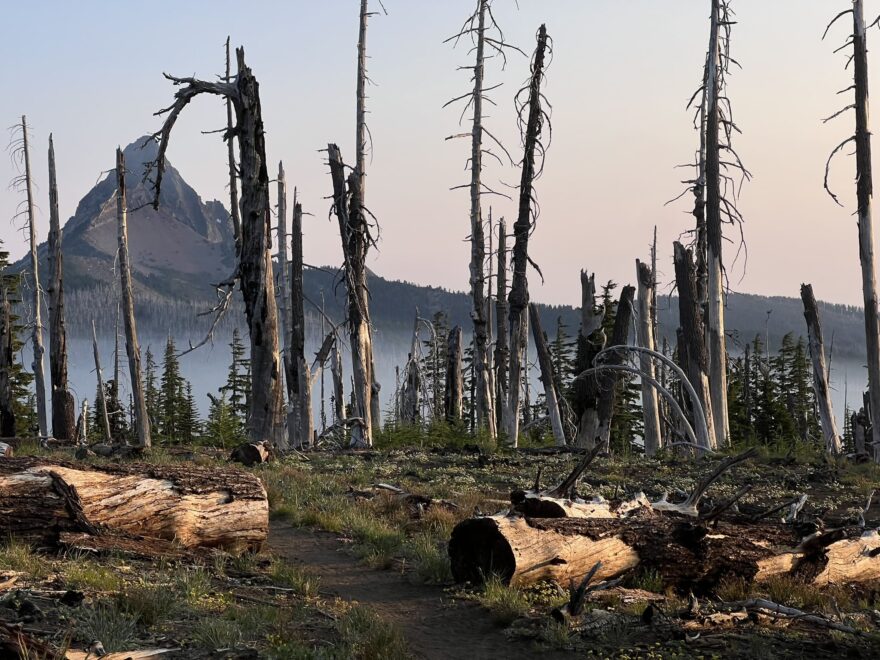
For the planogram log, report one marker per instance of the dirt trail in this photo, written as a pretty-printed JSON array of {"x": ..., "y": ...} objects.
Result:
[{"x": 434, "y": 625}]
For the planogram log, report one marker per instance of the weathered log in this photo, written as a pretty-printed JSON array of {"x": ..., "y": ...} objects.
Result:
[
  {"x": 250, "y": 453},
  {"x": 6, "y": 450},
  {"x": 686, "y": 555},
  {"x": 42, "y": 499}
]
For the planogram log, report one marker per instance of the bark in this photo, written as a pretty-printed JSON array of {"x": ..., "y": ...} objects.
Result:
[
  {"x": 300, "y": 424},
  {"x": 692, "y": 344},
  {"x": 820, "y": 371},
  {"x": 132, "y": 348},
  {"x": 650, "y": 403},
  {"x": 7, "y": 360},
  {"x": 608, "y": 380},
  {"x": 230, "y": 147},
  {"x": 518, "y": 299},
  {"x": 591, "y": 340},
  {"x": 551, "y": 395},
  {"x": 484, "y": 408},
  {"x": 453, "y": 402},
  {"x": 338, "y": 396},
  {"x": 410, "y": 394},
  {"x": 865, "y": 195},
  {"x": 687, "y": 556},
  {"x": 284, "y": 273},
  {"x": 716, "y": 341},
  {"x": 502, "y": 351},
  {"x": 354, "y": 233},
  {"x": 194, "y": 506},
  {"x": 37, "y": 333},
  {"x": 102, "y": 392},
  {"x": 63, "y": 416}
]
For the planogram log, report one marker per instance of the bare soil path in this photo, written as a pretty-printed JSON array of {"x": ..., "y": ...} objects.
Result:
[{"x": 434, "y": 624}]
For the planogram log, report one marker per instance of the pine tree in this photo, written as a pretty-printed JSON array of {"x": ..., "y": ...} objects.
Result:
[
  {"x": 222, "y": 427},
  {"x": 151, "y": 391},
  {"x": 20, "y": 380},
  {"x": 189, "y": 422},
  {"x": 238, "y": 380},
  {"x": 170, "y": 394}
]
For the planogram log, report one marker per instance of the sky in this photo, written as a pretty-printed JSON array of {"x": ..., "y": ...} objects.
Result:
[{"x": 621, "y": 75}]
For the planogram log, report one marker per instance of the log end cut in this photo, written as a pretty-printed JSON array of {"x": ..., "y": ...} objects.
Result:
[{"x": 478, "y": 549}]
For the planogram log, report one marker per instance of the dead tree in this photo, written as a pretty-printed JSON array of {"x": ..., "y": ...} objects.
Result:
[
  {"x": 102, "y": 392},
  {"x": 141, "y": 418},
  {"x": 300, "y": 423},
  {"x": 63, "y": 415},
  {"x": 338, "y": 394},
  {"x": 354, "y": 231},
  {"x": 820, "y": 371},
  {"x": 284, "y": 273},
  {"x": 454, "y": 378},
  {"x": 37, "y": 328},
  {"x": 234, "y": 210},
  {"x": 7, "y": 356},
  {"x": 410, "y": 392},
  {"x": 531, "y": 128},
  {"x": 502, "y": 352},
  {"x": 608, "y": 381},
  {"x": 545, "y": 362},
  {"x": 692, "y": 345},
  {"x": 864, "y": 194},
  {"x": 591, "y": 341},
  {"x": 650, "y": 403},
  {"x": 254, "y": 268}
]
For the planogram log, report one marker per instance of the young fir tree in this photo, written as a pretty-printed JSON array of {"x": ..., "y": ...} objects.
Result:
[
  {"x": 562, "y": 353},
  {"x": 170, "y": 394},
  {"x": 151, "y": 389},
  {"x": 222, "y": 427},
  {"x": 189, "y": 422},
  {"x": 238, "y": 381},
  {"x": 20, "y": 380}
]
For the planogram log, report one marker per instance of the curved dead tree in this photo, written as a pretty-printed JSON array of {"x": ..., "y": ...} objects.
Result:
[
  {"x": 532, "y": 118},
  {"x": 821, "y": 387},
  {"x": 254, "y": 271},
  {"x": 865, "y": 196},
  {"x": 63, "y": 414}
]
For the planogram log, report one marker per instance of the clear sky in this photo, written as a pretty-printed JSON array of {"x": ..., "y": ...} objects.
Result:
[{"x": 622, "y": 72}]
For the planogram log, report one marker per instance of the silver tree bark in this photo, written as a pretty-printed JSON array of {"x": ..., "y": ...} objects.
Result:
[
  {"x": 63, "y": 415},
  {"x": 820, "y": 371},
  {"x": 545, "y": 362},
  {"x": 716, "y": 343},
  {"x": 37, "y": 331},
  {"x": 141, "y": 419},
  {"x": 650, "y": 404},
  {"x": 300, "y": 424},
  {"x": 518, "y": 299},
  {"x": 454, "y": 379},
  {"x": 102, "y": 393},
  {"x": 865, "y": 195}
]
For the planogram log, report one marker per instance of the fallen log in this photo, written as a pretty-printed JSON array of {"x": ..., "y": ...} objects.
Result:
[
  {"x": 686, "y": 554},
  {"x": 6, "y": 451},
  {"x": 42, "y": 499}
]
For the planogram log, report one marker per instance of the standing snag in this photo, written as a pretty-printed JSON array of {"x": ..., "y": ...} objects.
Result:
[
  {"x": 132, "y": 348},
  {"x": 63, "y": 415},
  {"x": 650, "y": 403},
  {"x": 820, "y": 371},
  {"x": 608, "y": 380},
  {"x": 454, "y": 378},
  {"x": 518, "y": 299},
  {"x": 254, "y": 268},
  {"x": 545, "y": 361},
  {"x": 300, "y": 423}
]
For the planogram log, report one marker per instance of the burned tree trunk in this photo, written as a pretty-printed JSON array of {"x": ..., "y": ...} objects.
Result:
[
  {"x": 254, "y": 272},
  {"x": 354, "y": 233},
  {"x": 102, "y": 392},
  {"x": 650, "y": 403},
  {"x": 692, "y": 344},
  {"x": 518, "y": 299},
  {"x": 7, "y": 353},
  {"x": 590, "y": 342},
  {"x": 551, "y": 396},
  {"x": 50, "y": 501},
  {"x": 865, "y": 195},
  {"x": 132, "y": 348},
  {"x": 502, "y": 352},
  {"x": 284, "y": 273},
  {"x": 63, "y": 416},
  {"x": 716, "y": 341},
  {"x": 338, "y": 395},
  {"x": 454, "y": 378},
  {"x": 820, "y": 371},
  {"x": 608, "y": 380},
  {"x": 300, "y": 424},
  {"x": 37, "y": 334}
]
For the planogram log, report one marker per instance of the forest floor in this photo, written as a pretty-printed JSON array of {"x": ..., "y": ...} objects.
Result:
[{"x": 352, "y": 570}]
